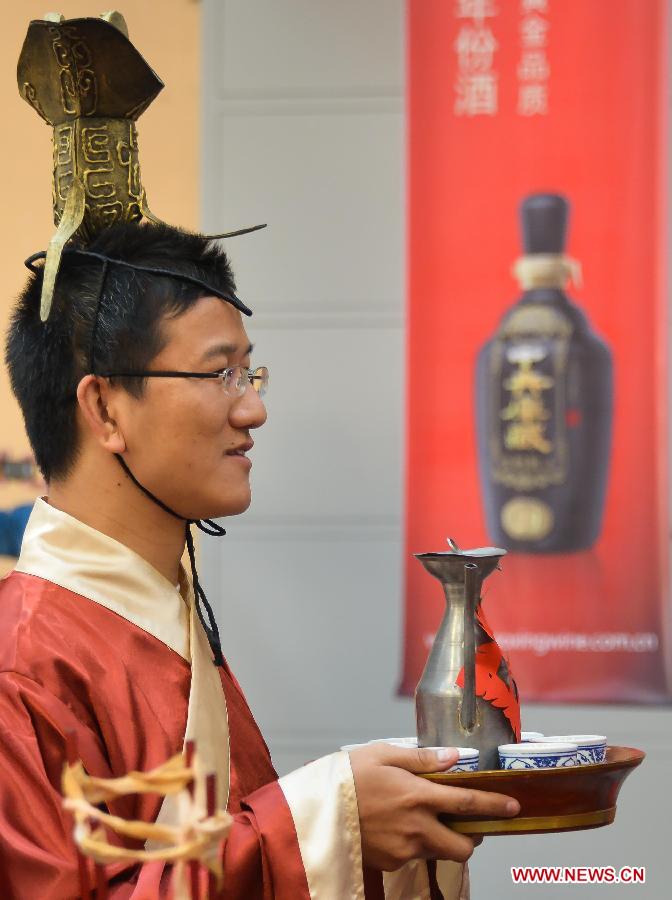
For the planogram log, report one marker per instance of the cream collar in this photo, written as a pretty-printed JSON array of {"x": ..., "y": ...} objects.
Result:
[{"x": 65, "y": 551}]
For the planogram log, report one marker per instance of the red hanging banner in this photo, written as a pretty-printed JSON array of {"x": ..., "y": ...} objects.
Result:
[{"x": 537, "y": 408}]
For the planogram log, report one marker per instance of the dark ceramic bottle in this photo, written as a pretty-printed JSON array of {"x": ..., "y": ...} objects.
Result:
[{"x": 544, "y": 397}]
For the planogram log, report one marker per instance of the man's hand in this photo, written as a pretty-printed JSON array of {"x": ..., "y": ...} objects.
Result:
[{"x": 398, "y": 812}]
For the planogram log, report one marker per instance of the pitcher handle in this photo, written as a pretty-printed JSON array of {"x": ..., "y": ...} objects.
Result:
[{"x": 471, "y": 591}]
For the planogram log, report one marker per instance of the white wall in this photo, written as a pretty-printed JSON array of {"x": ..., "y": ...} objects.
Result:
[{"x": 303, "y": 114}]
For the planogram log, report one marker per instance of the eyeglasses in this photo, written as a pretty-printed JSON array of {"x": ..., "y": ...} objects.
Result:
[{"x": 234, "y": 380}]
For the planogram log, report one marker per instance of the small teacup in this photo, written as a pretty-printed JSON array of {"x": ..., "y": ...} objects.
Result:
[
  {"x": 538, "y": 755},
  {"x": 527, "y": 736},
  {"x": 467, "y": 761},
  {"x": 592, "y": 748}
]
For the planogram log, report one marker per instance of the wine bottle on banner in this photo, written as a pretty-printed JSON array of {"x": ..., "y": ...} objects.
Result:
[{"x": 544, "y": 396}]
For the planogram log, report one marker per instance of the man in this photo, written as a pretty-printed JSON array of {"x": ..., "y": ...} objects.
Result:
[{"x": 100, "y": 634}]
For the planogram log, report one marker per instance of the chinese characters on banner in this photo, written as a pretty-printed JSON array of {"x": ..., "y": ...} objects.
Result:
[
  {"x": 533, "y": 68},
  {"x": 475, "y": 46},
  {"x": 537, "y": 357},
  {"x": 476, "y": 84}
]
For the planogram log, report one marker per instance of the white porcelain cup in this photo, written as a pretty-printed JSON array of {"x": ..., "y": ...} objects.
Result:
[
  {"x": 526, "y": 736},
  {"x": 538, "y": 755},
  {"x": 467, "y": 761},
  {"x": 592, "y": 748}
]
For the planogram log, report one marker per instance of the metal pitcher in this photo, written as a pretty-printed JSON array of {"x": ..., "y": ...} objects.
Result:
[{"x": 466, "y": 696}]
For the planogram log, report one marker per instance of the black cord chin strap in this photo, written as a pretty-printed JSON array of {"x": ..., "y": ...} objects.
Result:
[
  {"x": 208, "y": 526},
  {"x": 199, "y": 594}
]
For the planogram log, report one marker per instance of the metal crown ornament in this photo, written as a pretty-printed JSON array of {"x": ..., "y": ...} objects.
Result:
[{"x": 85, "y": 78}]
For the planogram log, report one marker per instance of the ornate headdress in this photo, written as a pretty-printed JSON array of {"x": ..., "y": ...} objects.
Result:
[{"x": 86, "y": 79}]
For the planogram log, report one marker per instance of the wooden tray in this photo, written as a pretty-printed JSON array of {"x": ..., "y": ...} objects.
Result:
[{"x": 570, "y": 799}]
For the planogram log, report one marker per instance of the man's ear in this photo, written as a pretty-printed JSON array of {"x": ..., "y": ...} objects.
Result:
[{"x": 94, "y": 396}]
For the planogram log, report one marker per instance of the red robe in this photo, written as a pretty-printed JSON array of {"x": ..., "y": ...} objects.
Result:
[{"x": 67, "y": 663}]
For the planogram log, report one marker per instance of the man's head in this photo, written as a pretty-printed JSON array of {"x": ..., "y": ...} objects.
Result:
[{"x": 175, "y": 434}]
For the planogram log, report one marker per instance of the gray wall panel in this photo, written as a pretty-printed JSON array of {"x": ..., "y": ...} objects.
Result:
[
  {"x": 309, "y": 635},
  {"x": 332, "y": 201},
  {"x": 307, "y": 47}
]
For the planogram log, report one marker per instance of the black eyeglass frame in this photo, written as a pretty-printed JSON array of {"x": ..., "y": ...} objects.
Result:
[{"x": 253, "y": 376}]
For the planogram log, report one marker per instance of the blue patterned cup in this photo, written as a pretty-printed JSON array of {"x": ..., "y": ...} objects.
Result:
[
  {"x": 527, "y": 736},
  {"x": 592, "y": 748},
  {"x": 538, "y": 755},
  {"x": 467, "y": 762}
]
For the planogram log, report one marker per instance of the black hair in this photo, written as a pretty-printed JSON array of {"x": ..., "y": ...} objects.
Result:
[{"x": 46, "y": 360}]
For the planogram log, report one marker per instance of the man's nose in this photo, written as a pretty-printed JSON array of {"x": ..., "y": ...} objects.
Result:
[{"x": 249, "y": 411}]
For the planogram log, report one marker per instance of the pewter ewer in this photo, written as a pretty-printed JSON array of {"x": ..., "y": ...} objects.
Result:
[{"x": 466, "y": 696}]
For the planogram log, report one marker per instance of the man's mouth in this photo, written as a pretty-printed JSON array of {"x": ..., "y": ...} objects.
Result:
[{"x": 241, "y": 449}]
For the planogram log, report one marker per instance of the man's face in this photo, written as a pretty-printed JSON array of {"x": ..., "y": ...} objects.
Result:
[{"x": 186, "y": 437}]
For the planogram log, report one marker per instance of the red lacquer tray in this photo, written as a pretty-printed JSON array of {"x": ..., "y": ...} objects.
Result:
[{"x": 569, "y": 799}]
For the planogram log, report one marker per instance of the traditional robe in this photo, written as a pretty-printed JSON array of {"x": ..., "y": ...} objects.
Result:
[{"x": 95, "y": 641}]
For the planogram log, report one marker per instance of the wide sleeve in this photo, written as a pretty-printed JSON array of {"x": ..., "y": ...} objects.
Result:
[
  {"x": 296, "y": 838},
  {"x": 323, "y": 804}
]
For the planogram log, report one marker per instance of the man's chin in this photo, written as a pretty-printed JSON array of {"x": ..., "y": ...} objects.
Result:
[{"x": 230, "y": 507}]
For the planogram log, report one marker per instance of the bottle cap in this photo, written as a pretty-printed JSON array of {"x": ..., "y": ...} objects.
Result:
[{"x": 544, "y": 223}]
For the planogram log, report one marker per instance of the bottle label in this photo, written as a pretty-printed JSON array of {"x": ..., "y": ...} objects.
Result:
[
  {"x": 528, "y": 418},
  {"x": 527, "y": 518}
]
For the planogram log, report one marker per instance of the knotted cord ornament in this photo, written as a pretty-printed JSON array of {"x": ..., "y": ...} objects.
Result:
[{"x": 196, "y": 837}]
